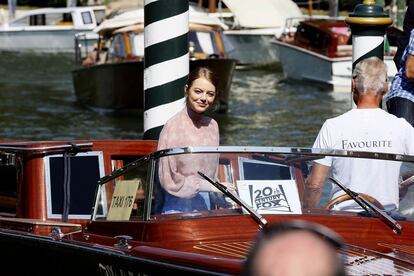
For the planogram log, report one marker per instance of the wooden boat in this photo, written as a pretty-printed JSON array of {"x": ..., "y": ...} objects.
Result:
[
  {"x": 49, "y": 30},
  {"x": 319, "y": 50},
  {"x": 115, "y": 81},
  {"x": 60, "y": 215}
]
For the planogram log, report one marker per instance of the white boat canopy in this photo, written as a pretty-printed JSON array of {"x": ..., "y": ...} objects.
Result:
[
  {"x": 136, "y": 16},
  {"x": 262, "y": 13},
  {"x": 124, "y": 19}
]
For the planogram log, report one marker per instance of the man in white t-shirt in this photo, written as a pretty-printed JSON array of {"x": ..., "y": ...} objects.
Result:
[{"x": 366, "y": 128}]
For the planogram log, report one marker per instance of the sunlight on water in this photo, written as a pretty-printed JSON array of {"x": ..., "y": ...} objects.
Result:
[
  {"x": 265, "y": 110},
  {"x": 38, "y": 102}
]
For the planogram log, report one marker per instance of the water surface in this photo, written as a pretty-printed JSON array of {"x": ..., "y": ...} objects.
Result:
[{"x": 37, "y": 102}]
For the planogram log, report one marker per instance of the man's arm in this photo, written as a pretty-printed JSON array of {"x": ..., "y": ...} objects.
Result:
[
  {"x": 403, "y": 40},
  {"x": 409, "y": 67},
  {"x": 314, "y": 185}
]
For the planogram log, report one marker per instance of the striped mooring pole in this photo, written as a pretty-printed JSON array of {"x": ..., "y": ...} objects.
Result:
[
  {"x": 166, "y": 62},
  {"x": 368, "y": 24}
]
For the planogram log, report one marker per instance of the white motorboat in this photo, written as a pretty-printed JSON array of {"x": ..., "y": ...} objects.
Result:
[
  {"x": 49, "y": 29},
  {"x": 255, "y": 24},
  {"x": 320, "y": 50}
]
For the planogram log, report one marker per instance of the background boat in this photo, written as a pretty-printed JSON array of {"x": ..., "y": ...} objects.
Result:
[
  {"x": 252, "y": 25},
  {"x": 319, "y": 50},
  {"x": 49, "y": 30},
  {"x": 114, "y": 80}
]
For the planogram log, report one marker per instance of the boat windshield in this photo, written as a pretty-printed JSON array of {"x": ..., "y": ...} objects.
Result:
[{"x": 168, "y": 184}]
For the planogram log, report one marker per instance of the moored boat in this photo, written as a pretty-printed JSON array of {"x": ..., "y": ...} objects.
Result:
[
  {"x": 113, "y": 81},
  {"x": 45, "y": 222},
  {"x": 50, "y": 30},
  {"x": 319, "y": 50}
]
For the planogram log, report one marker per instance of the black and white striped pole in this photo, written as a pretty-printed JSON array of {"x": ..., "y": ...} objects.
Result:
[
  {"x": 368, "y": 24},
  {"x": 166, "y": 62}
]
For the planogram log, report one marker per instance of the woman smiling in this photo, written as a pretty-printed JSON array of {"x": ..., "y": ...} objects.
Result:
[{"x": 184, "y": 190}]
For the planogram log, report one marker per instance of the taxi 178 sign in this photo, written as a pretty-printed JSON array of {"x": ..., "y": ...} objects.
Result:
[{"x": 270, "y": 196}]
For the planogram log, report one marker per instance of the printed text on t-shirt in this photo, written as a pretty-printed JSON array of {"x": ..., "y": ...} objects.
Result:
[{"x": 346, "y": 144}]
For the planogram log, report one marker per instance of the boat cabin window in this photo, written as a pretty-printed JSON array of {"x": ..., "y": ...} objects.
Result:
[
  {"x": 38, "y": 20},
  {"x": 66, "y": 19},
  {"x": 117, "y": 48},
  {"x": 313, "y": 37},
  {"x": 87, "y": 17},
  {"x": 201, "y": 45},
  {"x": 257, "y": 179},
  {"x": 49, "y": 19},
  {"x": 386, "y": 182},
  {"x": 124, "y": 197},
  {"x": 11, "y": 176},
  {"x": 74, "y": 178},
  {"x": 257, "y": 169},
  {"x": 99, "y": 16},
  {"x": 8, "y": 185},
  {"x": 227, "y": 45},
  {"x": 170, "y": 187},
  {"x": 202, "y": 42},
  {"x": 343, "y": 34},
  {"x": 137, "y": 43}
]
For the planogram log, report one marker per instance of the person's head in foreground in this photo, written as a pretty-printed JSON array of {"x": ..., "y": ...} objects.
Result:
[{"x": 295, "y": 248}]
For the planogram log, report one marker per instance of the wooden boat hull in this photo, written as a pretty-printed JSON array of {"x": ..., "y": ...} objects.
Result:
[
  {"x": 110, "y": 86},
  {"x": 45, "y": 256},
  {"x": 193, "y": 248},
  {"x": 117, "y": 86}
]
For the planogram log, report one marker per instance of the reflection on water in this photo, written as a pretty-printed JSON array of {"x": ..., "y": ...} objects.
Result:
[{"x": 37, "y": 102}]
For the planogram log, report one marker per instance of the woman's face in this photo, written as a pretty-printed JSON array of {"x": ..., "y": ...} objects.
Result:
[{"x": 201, "y": 95}]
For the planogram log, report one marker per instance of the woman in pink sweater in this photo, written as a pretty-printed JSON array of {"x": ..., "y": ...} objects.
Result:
[{"x": 184, "y": 190}]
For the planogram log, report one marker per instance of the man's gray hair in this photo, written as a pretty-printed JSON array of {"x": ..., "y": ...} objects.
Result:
[{"x": 370, "y": 74}]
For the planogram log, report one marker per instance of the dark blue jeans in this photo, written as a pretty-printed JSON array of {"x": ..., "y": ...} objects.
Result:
[
  {"x": 173, "y": 204},
  {"x": 401, "y": 108}
]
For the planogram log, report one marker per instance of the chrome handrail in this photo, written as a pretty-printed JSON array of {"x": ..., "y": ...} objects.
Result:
[
  {"x": 308, "y": 152},
  {"x": 5, "y": 147},
  {"x": 286, "y": 150}
]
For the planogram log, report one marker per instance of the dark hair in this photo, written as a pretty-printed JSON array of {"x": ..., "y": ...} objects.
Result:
[
  {"x": 204, "y": 72},
  {"x": 274, "y": 230}
]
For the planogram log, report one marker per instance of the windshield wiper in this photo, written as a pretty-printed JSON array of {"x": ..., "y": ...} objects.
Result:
[
  {"x": 404, "y": 184},
  {"x": 256, "y": 216},
  {"x": 370, "y": 207}
]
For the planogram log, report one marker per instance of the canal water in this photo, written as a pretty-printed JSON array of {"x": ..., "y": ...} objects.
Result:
[{"x": 37, "y": 102}]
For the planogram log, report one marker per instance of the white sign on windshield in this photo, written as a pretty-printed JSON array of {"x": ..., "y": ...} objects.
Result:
[{"x": 270, "y": 196}]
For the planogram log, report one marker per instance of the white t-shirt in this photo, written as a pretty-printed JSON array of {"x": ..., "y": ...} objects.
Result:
[{"x": 370, "y": 129}]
